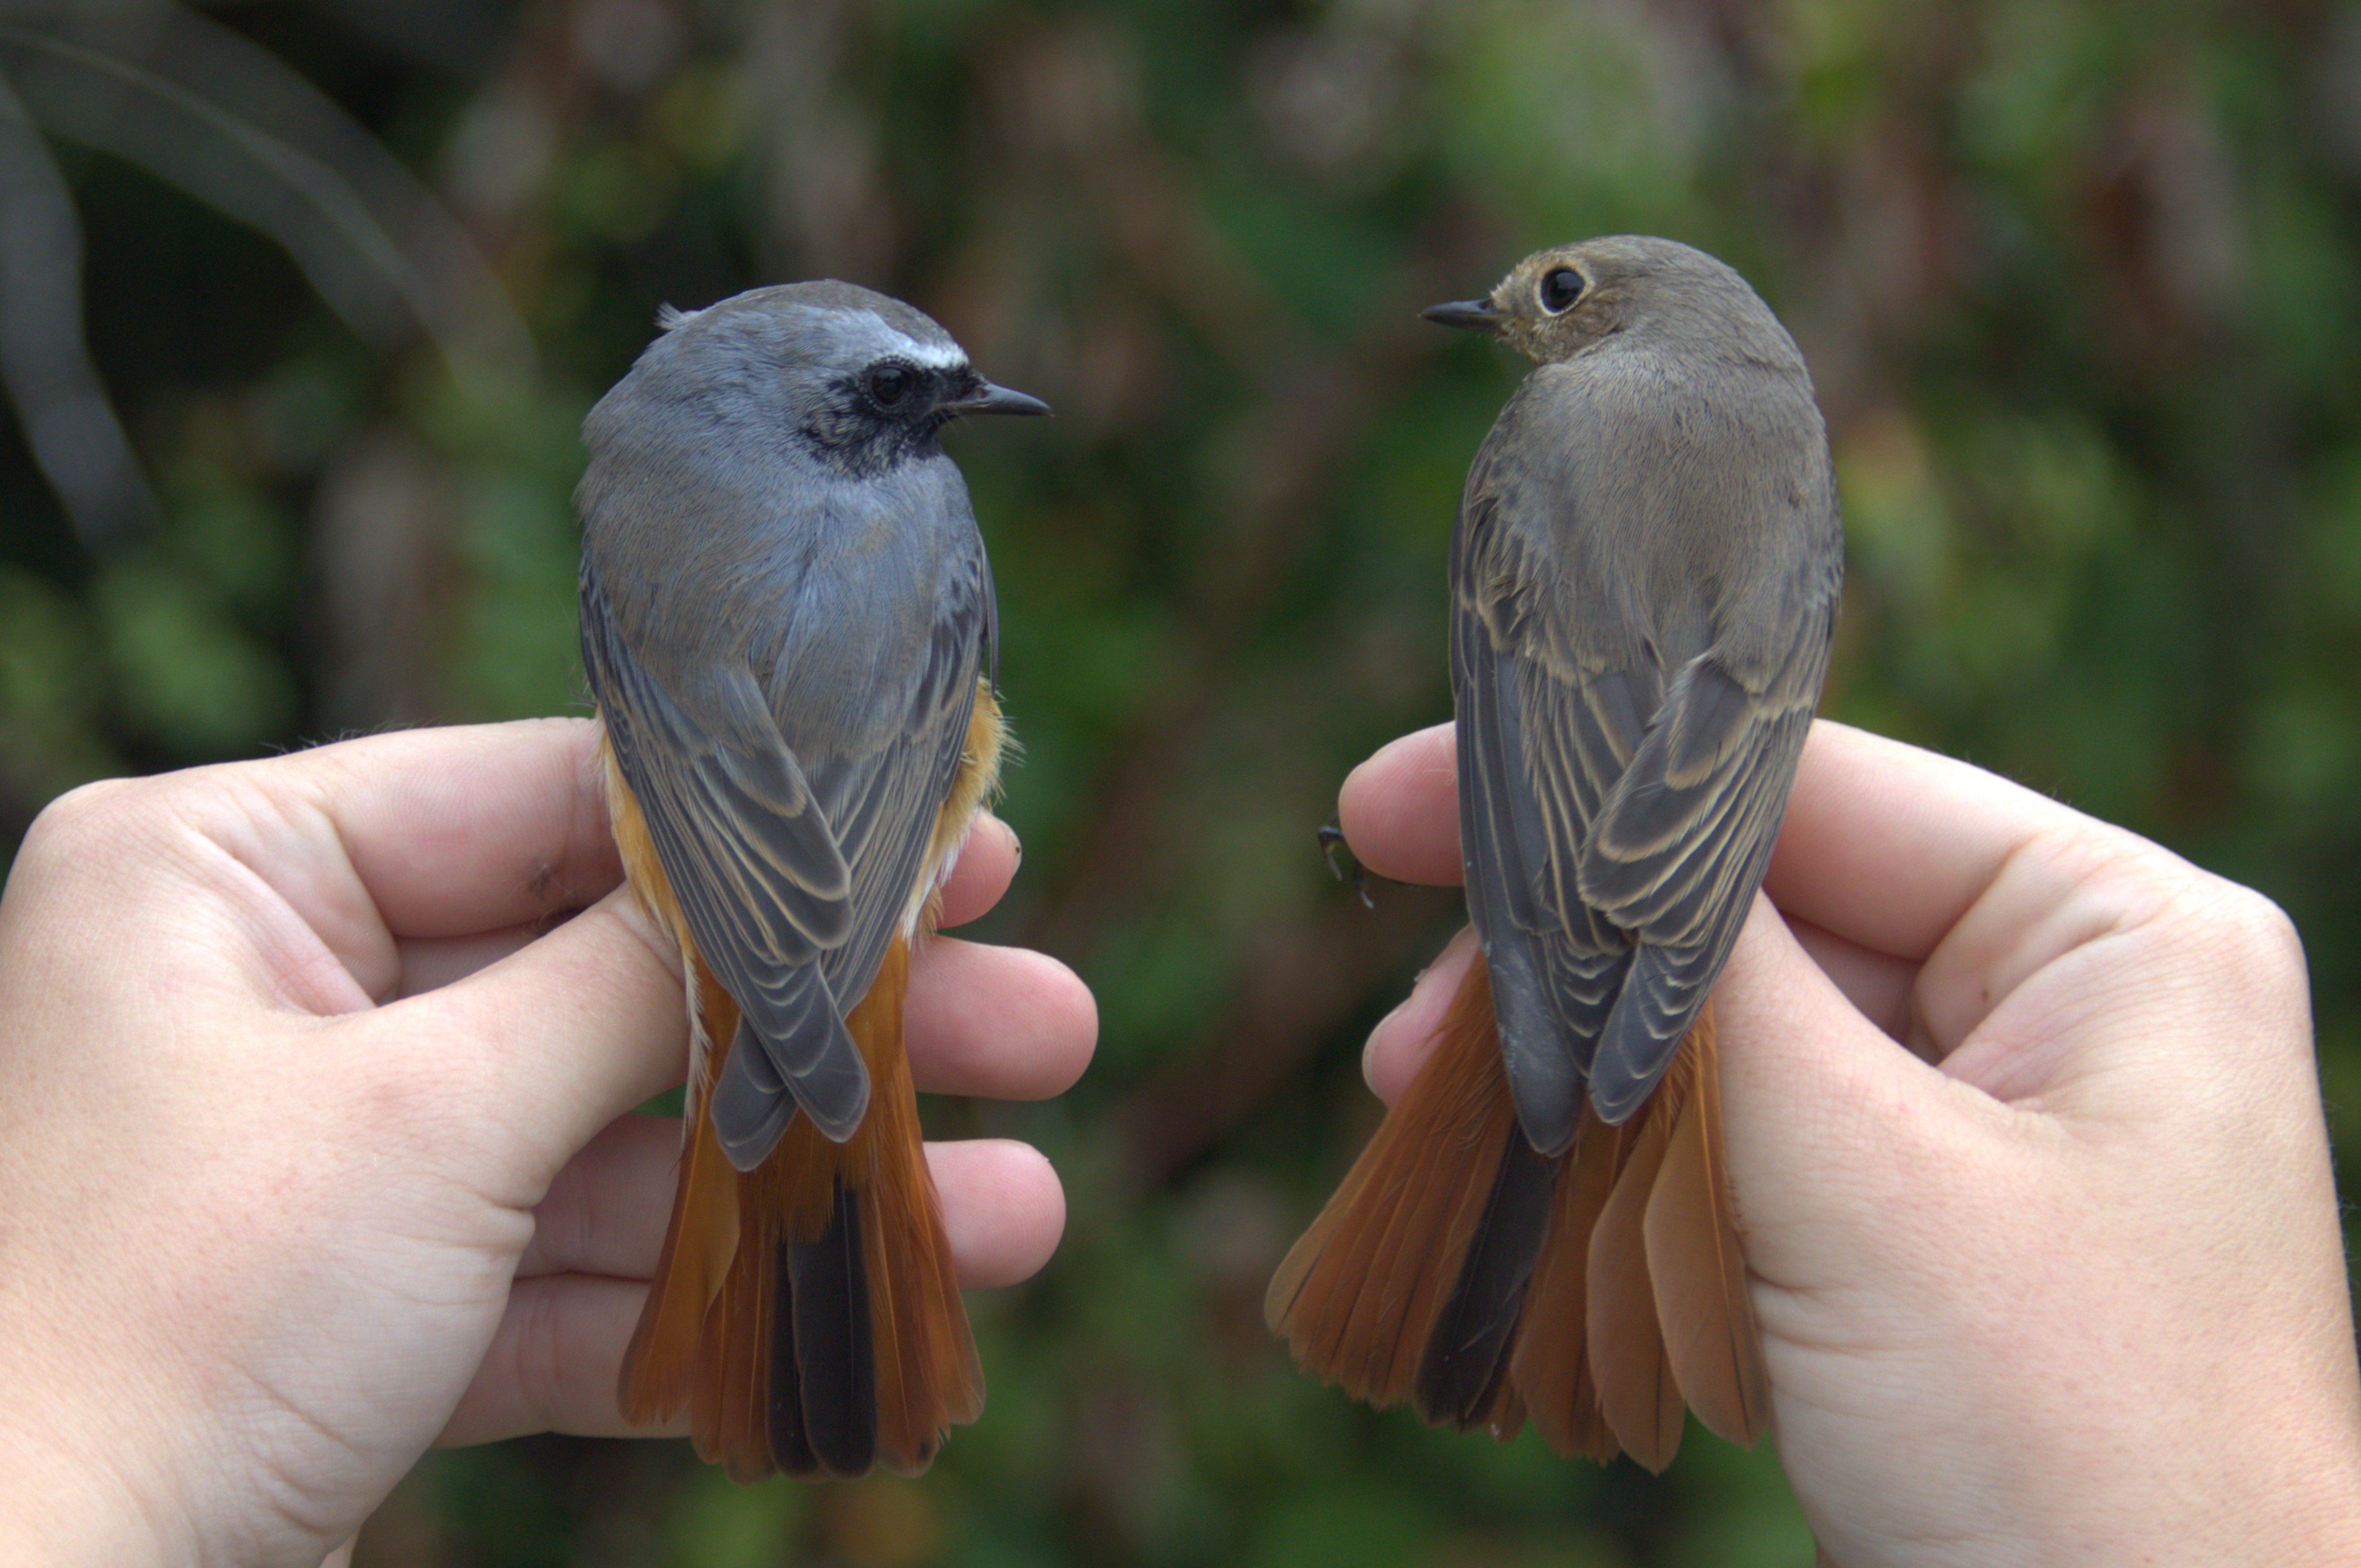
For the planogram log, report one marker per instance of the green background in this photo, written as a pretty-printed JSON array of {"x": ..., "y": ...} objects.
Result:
[{"x": 2079, "y": 283}]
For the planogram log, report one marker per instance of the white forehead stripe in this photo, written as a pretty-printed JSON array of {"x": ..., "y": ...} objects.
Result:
[{"x": 933, "y": 355}]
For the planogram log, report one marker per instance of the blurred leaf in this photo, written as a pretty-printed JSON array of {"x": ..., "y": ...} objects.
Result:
[
  {"x": 50, "y": 689},
  {"x": 186, "y": 674},
  {"x": 1346, "y": 1526},
  {"x": 716, "y": 1523}
]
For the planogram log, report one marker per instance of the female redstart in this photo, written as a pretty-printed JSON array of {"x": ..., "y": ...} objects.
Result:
[{"x": 1644, "y": 576}]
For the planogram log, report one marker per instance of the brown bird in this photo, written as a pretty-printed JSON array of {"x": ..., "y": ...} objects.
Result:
[
  {"x": 787, "y": 618},
  {"x": 1644, "y": 575}
]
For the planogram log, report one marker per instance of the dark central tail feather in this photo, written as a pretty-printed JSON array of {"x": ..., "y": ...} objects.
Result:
[
  {"x": 823, "y": 1398},
  {"x": 1459, "y": 1268},
  {"x": 1465, "y": 1363}
]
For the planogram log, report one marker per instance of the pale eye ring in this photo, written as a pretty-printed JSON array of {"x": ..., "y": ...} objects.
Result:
[{"x": 1561, "y": 286}]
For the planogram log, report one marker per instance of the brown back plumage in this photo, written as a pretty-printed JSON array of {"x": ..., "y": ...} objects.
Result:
[{"x": 1597, "y": 1310}]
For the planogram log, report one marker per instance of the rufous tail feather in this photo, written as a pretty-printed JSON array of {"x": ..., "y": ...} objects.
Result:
[
  {"x": 806, "y": 1313},
  {"x": 1597, "y": 1292}
]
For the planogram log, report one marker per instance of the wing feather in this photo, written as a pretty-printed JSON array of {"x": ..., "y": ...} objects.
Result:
[
  {"x": 1554, "y": 979},
  {"x": 793, "y": 865},
  {"x": 1623, "y": 764}
]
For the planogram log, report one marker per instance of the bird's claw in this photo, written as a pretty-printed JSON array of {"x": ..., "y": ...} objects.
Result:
[{"x": 1331, "y": 836}]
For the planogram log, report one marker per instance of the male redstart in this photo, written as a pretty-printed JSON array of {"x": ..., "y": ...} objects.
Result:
[
  {"x": 787, "y": 615},
  {"x": 1644, "y": 575}
]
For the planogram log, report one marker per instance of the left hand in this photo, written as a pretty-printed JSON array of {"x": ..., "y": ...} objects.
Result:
[{"x": 313, "y": 1137}]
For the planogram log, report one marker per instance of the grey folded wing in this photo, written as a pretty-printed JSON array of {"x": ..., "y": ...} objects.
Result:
[
  {"x": 792, "y": 871},
  {"x": 1541, "y": 743}
]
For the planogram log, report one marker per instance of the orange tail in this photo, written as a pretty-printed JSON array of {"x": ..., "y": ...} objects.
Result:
[
  {"x": 1458, "y": 1268},
  {"x": 807, "y": 1312}
]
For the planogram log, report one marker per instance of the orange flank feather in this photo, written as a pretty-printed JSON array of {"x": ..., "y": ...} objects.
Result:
[
  {"x": 806, "y": 1313},
  {"x": 1595, "y": 1293}
]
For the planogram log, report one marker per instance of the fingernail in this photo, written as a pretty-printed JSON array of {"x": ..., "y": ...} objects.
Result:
[{"x": 1377, "y": 1033}]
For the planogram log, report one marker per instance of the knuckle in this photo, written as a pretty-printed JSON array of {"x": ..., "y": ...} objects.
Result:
[
  {"x": 2207, "y": 930},
  {"x": 80, "y": 822},
  {"x": 2235, "y": 934},
  {"x": 2259, "y": 931}
]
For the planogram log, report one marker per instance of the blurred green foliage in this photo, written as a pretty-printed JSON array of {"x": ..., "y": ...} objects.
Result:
[{"x": 2080, "y": 283}]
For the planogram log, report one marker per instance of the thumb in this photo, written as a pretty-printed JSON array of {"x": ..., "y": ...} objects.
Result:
[
  {"x": 1835, "y": 1132},
  {"x": 557, "y": 1039}
]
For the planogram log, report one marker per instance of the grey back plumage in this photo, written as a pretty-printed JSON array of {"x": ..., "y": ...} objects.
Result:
[
  {"x": 784, "y": 607},
  {"x": 1645, "y": 570}
]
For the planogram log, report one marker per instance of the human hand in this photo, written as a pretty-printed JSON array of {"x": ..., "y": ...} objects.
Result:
[
  {"x": 313, "y": 1142},
  {"x": 2024, "y": 1135}
]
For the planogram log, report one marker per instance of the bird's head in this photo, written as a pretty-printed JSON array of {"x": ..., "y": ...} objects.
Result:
[
  {"x": 860, "y": 379},
  {"x": 1557, "y": 303}
]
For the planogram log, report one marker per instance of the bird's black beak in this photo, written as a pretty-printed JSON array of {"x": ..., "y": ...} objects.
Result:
[
  {"x": 1480, "y": 314},
  {"x": 988, "y": 398}
]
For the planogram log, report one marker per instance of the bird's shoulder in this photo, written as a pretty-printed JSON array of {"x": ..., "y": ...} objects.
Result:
[
  {"x": 1627, "y": 507},
  {"x": 850, "y": 605}
]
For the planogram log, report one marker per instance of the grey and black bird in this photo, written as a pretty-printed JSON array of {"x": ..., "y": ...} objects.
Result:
[
  {"x": 1644, "y": 576},
  {"x": 788, "y": 625}
]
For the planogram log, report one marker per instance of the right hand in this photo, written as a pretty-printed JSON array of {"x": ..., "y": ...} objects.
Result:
[{"x": 2026, "y": 1137}]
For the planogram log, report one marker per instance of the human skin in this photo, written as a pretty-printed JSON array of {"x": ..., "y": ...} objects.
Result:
[
  {"x": 2025, "y": 1138},
  {"x": 314, "y": 1137}
]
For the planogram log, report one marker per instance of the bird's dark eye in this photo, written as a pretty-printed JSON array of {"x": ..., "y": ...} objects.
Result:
[
  {"x": 1561, "y": 286},
  {"x": 889, "y": 383}
]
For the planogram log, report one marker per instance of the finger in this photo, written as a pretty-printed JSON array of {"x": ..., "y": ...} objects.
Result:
[
  {"x": 430, "y": 833},
  {"x": 2092, "y": 959},
  {"x": 554, "y": 1042},
  {"x": 606, "y": 1215},
  {"x": 1406, "y": 1037},
  {"x": 552, "y": 1363},
  {"x": 464, "y": 829},
  {"x": 555, "y": 1358},
  {"x": 428, "y": 963},
  {"x": 1004, "y": 1208},
  {"x": 996, "y": 1021},
  {"x": 607, "y": 1211},
  {"x": 587, "y": 1021},
  {"x": 1887, "y": 845},
  {"x": 1400, "y": 809},
  {"x": 1874, "y": 984},
  {"x": 986, "y": 864},
  {"x": 1982, "y": 883},
  {"x": 1877, "y": 984}
]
